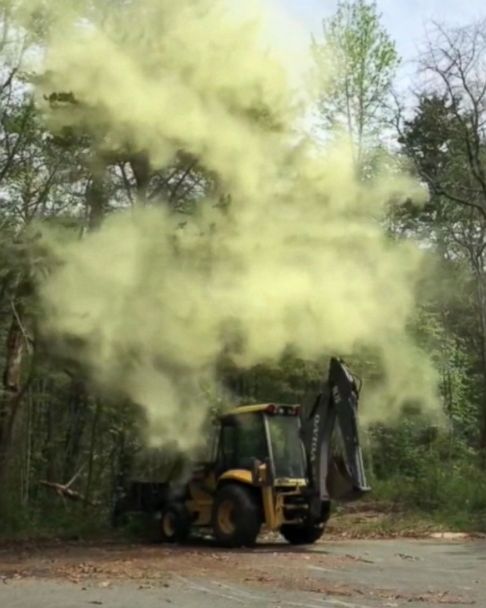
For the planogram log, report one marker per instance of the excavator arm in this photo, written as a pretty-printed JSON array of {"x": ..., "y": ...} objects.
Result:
[{"x": 332, "y": 475}]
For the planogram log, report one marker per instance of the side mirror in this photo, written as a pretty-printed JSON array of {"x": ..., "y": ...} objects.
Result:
[
  {"x": 261, "y": 473},
  {"x": 256, "y": 472}
]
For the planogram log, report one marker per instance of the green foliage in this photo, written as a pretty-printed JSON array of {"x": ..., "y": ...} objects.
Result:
[
  {"x": 429, "y": 470},
  {"x": 290, "y": 380},
  {"x": 52, "y": 520},
  {"x": 357, "y": 60},
  {"x": 62, "y": 429},
  {"x": 447, "y": 494}
]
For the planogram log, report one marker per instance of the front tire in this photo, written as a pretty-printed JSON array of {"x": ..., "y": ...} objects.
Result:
[
  {"x": 236, "y": 517},
  {"x": 302, "y": 534},
  {"x": 174, "y": 524}
]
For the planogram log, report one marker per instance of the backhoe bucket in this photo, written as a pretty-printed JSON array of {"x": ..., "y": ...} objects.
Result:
[
  {"x": 340, "y": 485},
  {"x": 331, "y": 475}
]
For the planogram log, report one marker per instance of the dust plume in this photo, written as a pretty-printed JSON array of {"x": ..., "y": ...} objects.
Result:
[{"x": 297, "y": 255}]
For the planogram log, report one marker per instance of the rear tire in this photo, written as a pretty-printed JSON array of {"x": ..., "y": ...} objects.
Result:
[
  {"x": 175, "y": 524},
  {"x": 236, "y": 517},
  {"x": 303, "y": 534}
]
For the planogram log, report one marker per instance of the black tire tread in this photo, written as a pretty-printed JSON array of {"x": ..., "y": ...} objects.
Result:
[
  {"x": 247, "y": 516},
  {"x": 302, "y": 534},
  {"x": 182, "y": 523}
]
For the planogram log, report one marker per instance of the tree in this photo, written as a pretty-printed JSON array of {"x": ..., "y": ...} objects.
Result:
[
  {"x": 446, "y": 140},
  {"x": 357, "y": 61},
  {"x": 454, "y": 66},
  {"x": 50, "y": 421}
]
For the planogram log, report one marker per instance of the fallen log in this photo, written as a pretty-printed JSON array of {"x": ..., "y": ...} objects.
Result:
[{"x": 64, "y": 491}]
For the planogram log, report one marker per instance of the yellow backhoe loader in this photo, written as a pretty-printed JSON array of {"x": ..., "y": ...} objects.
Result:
[{"x": 272, "y": 466}]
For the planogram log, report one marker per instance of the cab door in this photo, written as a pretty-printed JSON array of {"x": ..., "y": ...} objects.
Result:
[{"x": 243, "y": 440}]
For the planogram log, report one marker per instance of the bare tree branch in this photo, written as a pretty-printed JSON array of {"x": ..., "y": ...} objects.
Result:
[{"x": 64, "y": 491}]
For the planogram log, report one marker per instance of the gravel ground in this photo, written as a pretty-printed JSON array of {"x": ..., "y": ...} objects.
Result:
[{"x": 340, "y": 574}]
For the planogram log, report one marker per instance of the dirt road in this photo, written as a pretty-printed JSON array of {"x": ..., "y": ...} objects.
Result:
[{"x": 338, "y": 574}]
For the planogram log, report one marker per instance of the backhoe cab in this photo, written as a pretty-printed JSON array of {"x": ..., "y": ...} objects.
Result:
[{"x": 272, "y": 465}]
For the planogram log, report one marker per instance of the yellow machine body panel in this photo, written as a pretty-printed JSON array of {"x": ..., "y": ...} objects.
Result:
[
  {"x": 238, "y": 475},
  {"x": 290, "y": 482},
  {"x": 201, "y": 490},
  {"x": 273, "y": 495}
]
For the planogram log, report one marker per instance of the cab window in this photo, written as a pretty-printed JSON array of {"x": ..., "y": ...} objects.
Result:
[{"x": 242, "y": 440}]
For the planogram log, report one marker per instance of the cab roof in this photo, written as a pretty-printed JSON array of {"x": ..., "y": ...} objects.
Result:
[{"x": 250, "y": 409}]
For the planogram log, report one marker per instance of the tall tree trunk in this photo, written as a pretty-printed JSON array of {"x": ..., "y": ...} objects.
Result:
[
  {"x": 50, "y": 451},
  {"x": 76, "y": 426},
  {"x": 481, "y": 303},
  {"x": 95, "y": 200},
  {"x": 141, "y": 170},
  {"x": 12, "y": 392},
  {"x": 28, "y": 452},
  {"x": 92, "y": 450}
]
